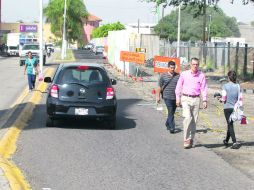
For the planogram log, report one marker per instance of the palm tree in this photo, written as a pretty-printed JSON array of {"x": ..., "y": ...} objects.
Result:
[{"x": 76, "y": 11}]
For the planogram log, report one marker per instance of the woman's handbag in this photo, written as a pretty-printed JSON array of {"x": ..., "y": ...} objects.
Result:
[
  {"x": 237, "y": 114},
  {"x": 40, "y": 77}
]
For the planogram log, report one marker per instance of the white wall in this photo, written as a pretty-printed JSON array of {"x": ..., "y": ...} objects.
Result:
[{"x": 127, "y": 41}]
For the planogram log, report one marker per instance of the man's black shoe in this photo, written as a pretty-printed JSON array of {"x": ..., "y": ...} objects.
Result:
[
  {"x": 225, "y": 142},
  {"x": 172, "y": 131},
  {"x": 235, "y": 146}
]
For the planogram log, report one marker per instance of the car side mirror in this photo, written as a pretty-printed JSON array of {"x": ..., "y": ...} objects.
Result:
[
  {"x": 47, "y": 79},
  {"x": 113, "y": 81}
]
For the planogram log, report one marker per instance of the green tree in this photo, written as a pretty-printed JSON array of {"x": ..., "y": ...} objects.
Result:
[
  {"x": 192, "y": 28},
  {"x": 200, "y": 3},
  {"x": 75, "y": 14},
  {"x": 103, "y": 30}
]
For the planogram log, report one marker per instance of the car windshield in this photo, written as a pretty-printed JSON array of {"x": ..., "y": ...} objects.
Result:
[
  {"x": 31, "y": 47},
  {"x": 84, "y": 76}
]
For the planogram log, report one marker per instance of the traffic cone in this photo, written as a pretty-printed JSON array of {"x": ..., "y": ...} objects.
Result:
[{"x": 153, "y": 92}]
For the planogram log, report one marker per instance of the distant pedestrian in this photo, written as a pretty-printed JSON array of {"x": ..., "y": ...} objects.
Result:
[
  {"x": 231, "y": 93},
  {"x": 31, "y": 69},
  {"x": 167, "y": 85},
  {"x": 191, "y": 85}
]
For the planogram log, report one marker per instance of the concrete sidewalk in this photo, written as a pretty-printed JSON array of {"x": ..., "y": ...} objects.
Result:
[{"x": 211, "y": 128}]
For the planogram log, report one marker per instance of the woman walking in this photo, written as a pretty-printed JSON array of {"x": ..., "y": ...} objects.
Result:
[
  {"x": 31, "y": 70},
  {"x": 231, "y": 93}
]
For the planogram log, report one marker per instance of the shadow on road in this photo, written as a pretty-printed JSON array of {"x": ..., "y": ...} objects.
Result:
[
  {"x": 241, "y": 143},
  {"x": 38, "y": 119}
]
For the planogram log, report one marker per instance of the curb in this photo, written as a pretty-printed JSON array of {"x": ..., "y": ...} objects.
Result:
[{"x": 8, "y": 142}]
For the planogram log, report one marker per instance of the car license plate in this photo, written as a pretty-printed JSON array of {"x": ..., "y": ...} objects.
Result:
[{"x": 81, "y": 111}]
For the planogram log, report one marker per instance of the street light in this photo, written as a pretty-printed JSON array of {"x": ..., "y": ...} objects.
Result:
[
  {"x": 63, "y": 55},
  {"x": 162, "y": 15},
  {"x": 41, "y": 35}
]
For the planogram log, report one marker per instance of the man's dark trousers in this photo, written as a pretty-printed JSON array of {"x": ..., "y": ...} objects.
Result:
[{"x": 171, "y": 106}]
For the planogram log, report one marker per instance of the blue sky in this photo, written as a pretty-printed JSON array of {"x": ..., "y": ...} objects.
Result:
[{"x": 125, "y": 11}]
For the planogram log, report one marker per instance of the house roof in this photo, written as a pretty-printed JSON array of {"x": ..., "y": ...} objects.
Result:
[{"x": 93, "y": 18}]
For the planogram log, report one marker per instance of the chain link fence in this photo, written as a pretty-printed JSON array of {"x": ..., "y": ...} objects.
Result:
[{"x": 218, "y": 57}]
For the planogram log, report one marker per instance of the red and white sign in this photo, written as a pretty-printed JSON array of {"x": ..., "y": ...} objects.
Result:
[{"x": 161, "y": 64}]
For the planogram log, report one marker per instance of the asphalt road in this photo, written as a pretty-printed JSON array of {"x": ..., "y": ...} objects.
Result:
[
  {"x": 139, "y": 155},
  {"x": 12, "y": 81}
]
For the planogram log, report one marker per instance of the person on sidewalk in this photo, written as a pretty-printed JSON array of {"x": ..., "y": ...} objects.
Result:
[
  {"x": 167, "y": 85},
  {"x": 191, "y": 84},
  {"x": 231, "y": 93},
  {"x": 31, "y": 68}
]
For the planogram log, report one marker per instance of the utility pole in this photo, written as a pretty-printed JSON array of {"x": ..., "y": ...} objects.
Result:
[
  {"x": 138, "y": 25},
  {"x": 1, "y": 21},
  {"x": 63, "y": 55},
  {"x": 204, "y": 31},
  {"x": 209, "y": 28},
  {"x": 178, "y": 31},
  {"x": 158, "y": 13},
  {"x": 41, "y": 35},
  {"x": 163, "y": 7}
]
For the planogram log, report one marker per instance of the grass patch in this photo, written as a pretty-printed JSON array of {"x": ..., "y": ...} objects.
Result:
[{"x": 69, "y": 56}]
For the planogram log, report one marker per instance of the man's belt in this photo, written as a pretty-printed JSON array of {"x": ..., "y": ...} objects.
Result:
[{"x": 192, "y": 96}]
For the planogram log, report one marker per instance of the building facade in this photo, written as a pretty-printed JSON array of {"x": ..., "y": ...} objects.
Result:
[{"x": 90, "y": 24}]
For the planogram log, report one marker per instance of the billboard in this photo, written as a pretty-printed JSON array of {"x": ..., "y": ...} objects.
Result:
[{"x": 28, "y": 28}]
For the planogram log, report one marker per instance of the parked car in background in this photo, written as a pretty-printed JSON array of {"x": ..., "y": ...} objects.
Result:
[
  {"x": 89, "y": 46},
  {"x": 99, "y": 50},
  {"x": 49, "y": 47},
  {"x": 13, "y": 51},
  {"x": 81, "y": 90}
]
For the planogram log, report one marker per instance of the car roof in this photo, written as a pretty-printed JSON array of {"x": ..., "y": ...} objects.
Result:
[{"x": 64, "y": 65}]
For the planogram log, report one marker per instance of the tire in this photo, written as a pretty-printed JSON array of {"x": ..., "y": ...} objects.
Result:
[{"x": 50, "y": 122}]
